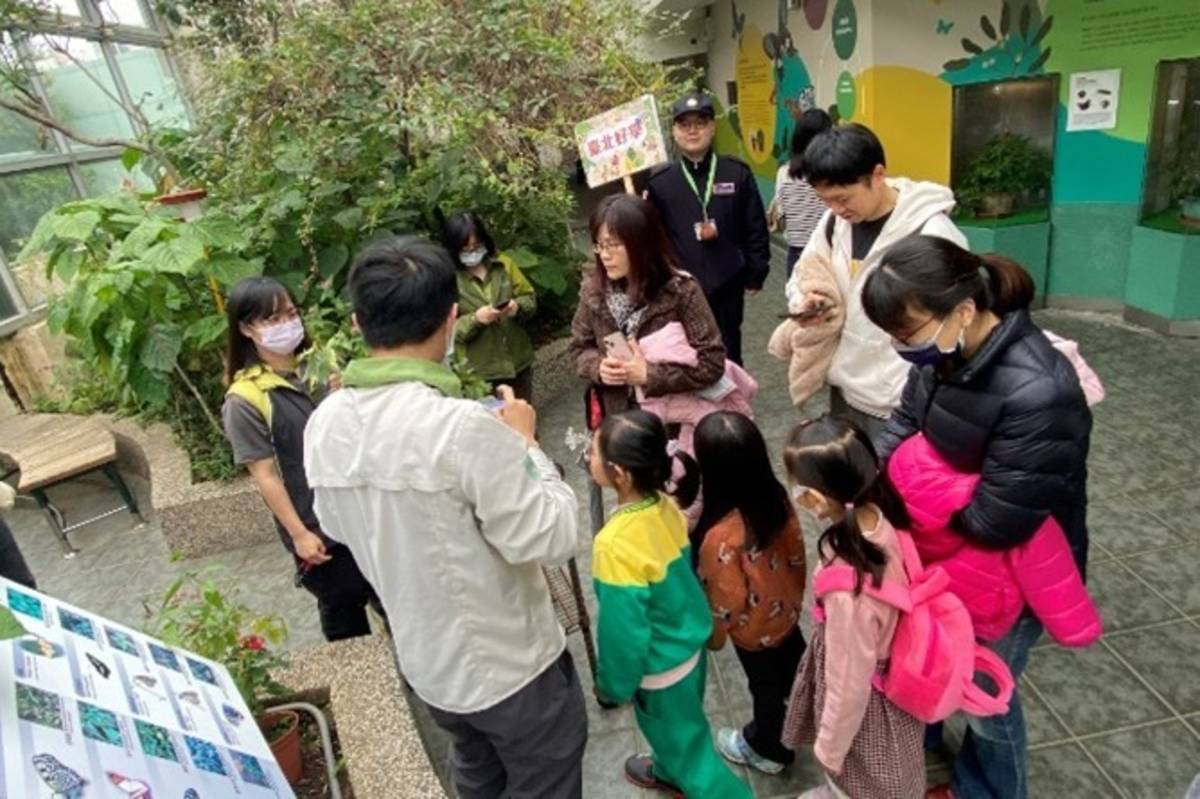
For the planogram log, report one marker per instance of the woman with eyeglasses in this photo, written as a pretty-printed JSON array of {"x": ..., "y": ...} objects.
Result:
[
  {"x": 993, "y": 397},
  {"x": 637, "y": 288}
]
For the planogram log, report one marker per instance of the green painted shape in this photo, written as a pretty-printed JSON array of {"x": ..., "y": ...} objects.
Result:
[
  {"x": 1089, "y": 252},
  {"x": 846, "y": 94},
  {"x": 1027, "y": 244},
  {"x": 844, "y": 28},
  {"x": 1162, "y": 275},
  {"x": 1092, "y": 166}
]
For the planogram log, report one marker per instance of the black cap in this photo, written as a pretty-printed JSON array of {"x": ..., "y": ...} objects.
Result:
[{"x": 693, "y": 103}]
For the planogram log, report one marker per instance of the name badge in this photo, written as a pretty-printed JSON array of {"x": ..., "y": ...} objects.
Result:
[{"x": 723, "y": 189}]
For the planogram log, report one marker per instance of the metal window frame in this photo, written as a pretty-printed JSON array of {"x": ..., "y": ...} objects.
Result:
[{"x": 90, "y": 26}]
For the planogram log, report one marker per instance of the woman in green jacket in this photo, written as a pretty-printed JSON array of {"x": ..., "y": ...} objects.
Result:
[{"x": 493, "y": 297}]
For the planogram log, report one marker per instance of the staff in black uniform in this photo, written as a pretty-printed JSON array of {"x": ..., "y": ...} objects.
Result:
[{"x": 714, "y": 215}]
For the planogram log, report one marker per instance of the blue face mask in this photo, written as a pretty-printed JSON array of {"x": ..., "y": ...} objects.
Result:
[{"x": 929, "y": 353}]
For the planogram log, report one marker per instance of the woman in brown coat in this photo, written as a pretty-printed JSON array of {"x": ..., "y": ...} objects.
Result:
[{"x": 636, "y": 288}]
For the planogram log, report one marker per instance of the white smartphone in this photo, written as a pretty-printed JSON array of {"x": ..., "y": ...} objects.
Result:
[{"x": 616, "y": 346}]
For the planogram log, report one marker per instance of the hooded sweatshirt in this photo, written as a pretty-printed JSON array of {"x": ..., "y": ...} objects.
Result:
[{"x": 865, "y": 366}]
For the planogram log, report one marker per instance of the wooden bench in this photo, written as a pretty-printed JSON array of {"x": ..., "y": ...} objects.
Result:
[{"x": 47, "y": 449}]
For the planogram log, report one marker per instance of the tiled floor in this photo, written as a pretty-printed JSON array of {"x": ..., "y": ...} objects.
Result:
[{"x": 1121, "y": 719}]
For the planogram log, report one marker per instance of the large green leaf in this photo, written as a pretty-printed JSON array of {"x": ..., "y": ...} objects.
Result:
[
  {"x": 207, "y": 331},
  {"x": 349, "y": 219},
  {"x": 221, "y": 232},
  {"x": 332, "y": 260},
  {"x": 177, "y": 256},
  {"x": 229, "y": 269},
  {"x": 140, "y": 239},
  {"x": 160, "y": 348},
  {"x": 76, "y": 227},
  {"x": 151, "y": 387}
]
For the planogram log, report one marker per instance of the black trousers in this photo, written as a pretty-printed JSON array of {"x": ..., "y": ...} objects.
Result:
[
  {"x": 12, "y": 562},
  {"x": 342, "y": 593},
  {"x": 529, "y": 746},
  {"x": 728, "y": 304},
  {"x": 770, "y": 674}
]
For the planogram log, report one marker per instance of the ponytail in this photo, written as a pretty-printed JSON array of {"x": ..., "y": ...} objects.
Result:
[
  {"x": 1009, "y": 286},
  {"x": 934, "y": 274},
  {"x": 637, "y": 442}
]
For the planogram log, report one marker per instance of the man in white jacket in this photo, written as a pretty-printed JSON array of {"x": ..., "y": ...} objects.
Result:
[
  {"x": 450, "y": 510},
  {"x": 868, "y": 212}
]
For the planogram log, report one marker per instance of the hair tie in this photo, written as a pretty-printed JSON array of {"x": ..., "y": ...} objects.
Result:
[{"x": 672, "y": 447}]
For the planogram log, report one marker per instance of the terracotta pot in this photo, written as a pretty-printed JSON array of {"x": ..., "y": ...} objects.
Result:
[
  {"x": 286, "y": 745},
  {"x": 994, "y": 205}
]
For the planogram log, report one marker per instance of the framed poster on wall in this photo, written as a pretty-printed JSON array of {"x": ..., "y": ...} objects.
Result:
[{"x": 1094, "y": 99}]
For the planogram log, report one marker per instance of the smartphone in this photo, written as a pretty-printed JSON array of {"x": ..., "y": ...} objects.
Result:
[
  {"x": 501, "y": 303},
  {"x": 811, "y": 313},
  {"x": 615, "y": 346}
]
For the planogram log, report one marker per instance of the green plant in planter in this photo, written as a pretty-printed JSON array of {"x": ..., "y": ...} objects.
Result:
[
  {"x": 1008, "y": 169},
  {"x": 197, "y": 613}
]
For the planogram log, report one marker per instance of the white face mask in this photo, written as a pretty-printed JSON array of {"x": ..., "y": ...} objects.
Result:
[
  {"x": 282, "y": 338},
  {"x": 472, "y": 258}
]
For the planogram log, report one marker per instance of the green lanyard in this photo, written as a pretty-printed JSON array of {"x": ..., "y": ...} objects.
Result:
[{"x": 712, "y": 176}]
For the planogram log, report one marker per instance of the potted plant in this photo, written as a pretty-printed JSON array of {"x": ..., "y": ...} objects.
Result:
[
  {"x": 198, "y": 614},
  {"x": 1009, "y": 169}
]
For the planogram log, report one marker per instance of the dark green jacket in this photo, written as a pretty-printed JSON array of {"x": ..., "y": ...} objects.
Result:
[{"x": 501, "y": 350}]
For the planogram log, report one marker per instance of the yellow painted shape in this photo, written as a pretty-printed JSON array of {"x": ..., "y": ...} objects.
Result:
[
  {"x": 910, "y": 112},
  {"x": 755, "y": 76}
]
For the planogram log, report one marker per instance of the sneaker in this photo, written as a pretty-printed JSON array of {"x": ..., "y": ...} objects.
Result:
[
  {"x": 733, "y": 747},
  {"x": 639, "y": 769}
]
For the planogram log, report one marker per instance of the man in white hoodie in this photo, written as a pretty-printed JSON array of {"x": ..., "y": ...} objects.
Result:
[{"x": 868, "y": 212}]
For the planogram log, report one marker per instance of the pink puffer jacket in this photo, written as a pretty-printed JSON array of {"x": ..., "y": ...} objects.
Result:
[{"x": 994, "y": 585}]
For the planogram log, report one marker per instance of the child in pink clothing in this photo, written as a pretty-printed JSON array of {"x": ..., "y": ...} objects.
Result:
[{"x": 869, "y": 747}]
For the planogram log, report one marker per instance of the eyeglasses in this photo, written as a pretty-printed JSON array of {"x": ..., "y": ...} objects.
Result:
[
  {"x": 692, "y": 124},
  {"x": 602, "y": 247}
]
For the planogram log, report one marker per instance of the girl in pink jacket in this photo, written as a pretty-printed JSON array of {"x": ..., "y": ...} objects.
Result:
[{"x": 869, "y": 747}]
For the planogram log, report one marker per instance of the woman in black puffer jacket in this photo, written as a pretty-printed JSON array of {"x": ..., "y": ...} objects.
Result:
[{"x": 995, "y": 398}]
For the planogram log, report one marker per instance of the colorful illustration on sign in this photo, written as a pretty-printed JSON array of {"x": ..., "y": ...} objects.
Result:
[
  {"x": 191, "y": 697},
  {"x": 36, "y": 645},
  {"x": 10, "y": 626},
  {"x": 845, "y": 29},
  {"x": 122, "y": 642},
  {"x": 165, "y": 657},
  {"x": 39, "y": 707},
  {"x": 205, "y": 755},
  {"x": 794, "y": 92},
  {"x": 148, "y": 684},
  {"x": 74, "y": 623},
  {"x": 251, "y": 770},
  {"x": 156, "y": 741},
  {"x": 202, "y": 671},
  {"x": 232, "y": 714},
  {"x": 100, "y": 724},
  {"x": 99, "y": 665},
  {"x": 621, "y": 141},
  {"x": 756, "y": 109},
  {"x": 134, "y": 789},
  {"x": 1014, "y": 51},
  {"x": 66, "y": 783},
  {"x": 22, "y": 602}
]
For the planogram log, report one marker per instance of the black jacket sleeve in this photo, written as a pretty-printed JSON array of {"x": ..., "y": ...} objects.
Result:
[
  {"x": 1035, "y": 446},
  {"x": 756, "y": 239},
  {"x": 905, "y": 419}
]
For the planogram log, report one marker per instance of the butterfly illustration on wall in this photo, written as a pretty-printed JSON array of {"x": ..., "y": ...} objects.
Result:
[
  {"x": 65, "y": 782},
  {"x": 134, "y": 789},
  {"x": 944, "y": 26}
]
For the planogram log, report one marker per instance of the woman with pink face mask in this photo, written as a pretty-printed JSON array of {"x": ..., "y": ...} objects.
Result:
[{"x": 267, "y": 405}]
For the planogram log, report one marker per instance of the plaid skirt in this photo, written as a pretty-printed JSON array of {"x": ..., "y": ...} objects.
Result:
[{"x": 886, "y": 759}]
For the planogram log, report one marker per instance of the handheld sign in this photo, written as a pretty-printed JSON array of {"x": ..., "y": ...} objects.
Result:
[
  {"x": 621, "y": 141},
  {"x": 91, "y": 708}
]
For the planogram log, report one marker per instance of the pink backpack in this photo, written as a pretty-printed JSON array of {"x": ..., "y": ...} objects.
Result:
[{"x": 934, "y": 657}]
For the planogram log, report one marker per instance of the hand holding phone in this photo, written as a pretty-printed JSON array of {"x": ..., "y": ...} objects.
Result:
[{"x": 616, "y": 346}]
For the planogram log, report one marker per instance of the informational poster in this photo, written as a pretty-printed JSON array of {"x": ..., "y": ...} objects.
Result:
[
  {"x": 90, "y": 708},
  {"x": 622, "y": 141},
  {"x": 1094, "y": 99}
]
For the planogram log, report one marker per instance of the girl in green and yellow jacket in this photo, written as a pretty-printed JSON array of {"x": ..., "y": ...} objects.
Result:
[
  {"x": 654, "y": 618},
  {"x": 493, "y": 297}
]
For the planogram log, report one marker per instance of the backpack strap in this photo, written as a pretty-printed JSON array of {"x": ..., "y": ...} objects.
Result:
[
  {"x": 979, "y": 702},
  {"x": 844, "y": 578},
  {"x": 252, "y": 385}
]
